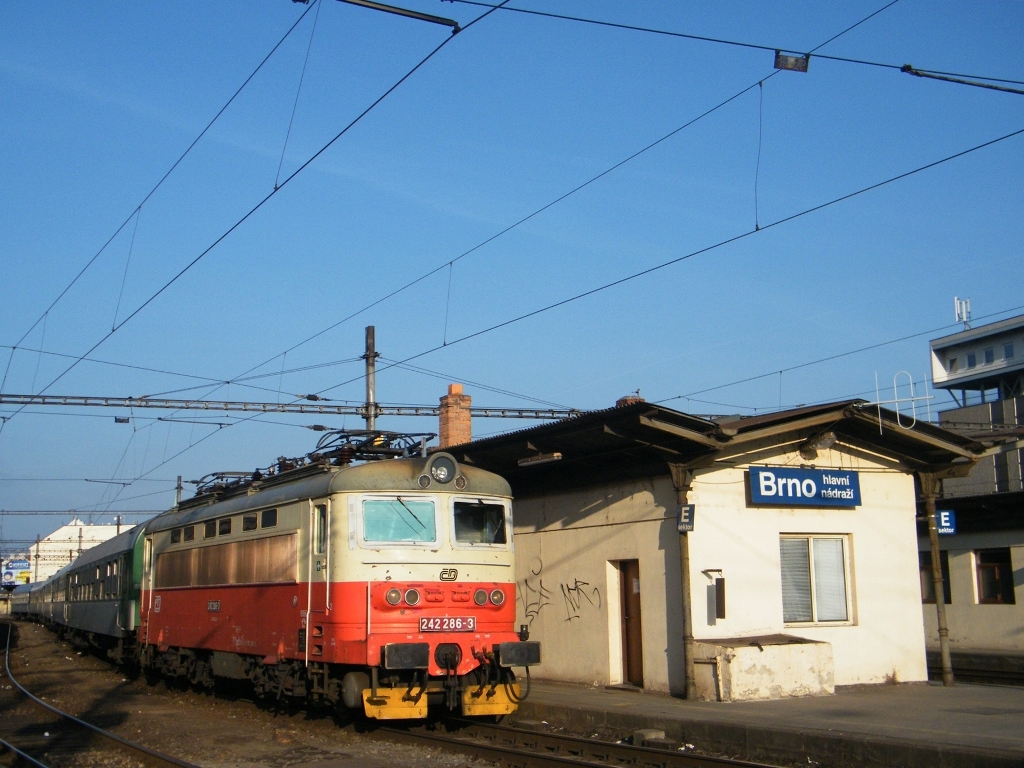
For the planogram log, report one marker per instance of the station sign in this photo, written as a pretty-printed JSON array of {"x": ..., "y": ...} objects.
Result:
[
  {"x": 797, "y": 487},
  {"x": 17, "y": 565},
  {"x": 684, "y": 524},
  {"x": 945, "y": 521}
]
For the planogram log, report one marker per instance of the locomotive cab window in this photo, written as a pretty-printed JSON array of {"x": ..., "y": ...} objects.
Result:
[
  {"x": 268, "y": 518},
  {"x": 479, "y": 522},
  {"x": 399, "y": 520},
  {"x": 249, "y": 522},
  {"x": 176, "y": 536},
  {"x": 210, "y": 530}
]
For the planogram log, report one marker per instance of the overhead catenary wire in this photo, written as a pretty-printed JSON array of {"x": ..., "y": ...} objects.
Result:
[
  {"x": 753, "y": 46},
  {"x": 698, "y": 252},
  {"x": 557, "y": 200},
  {"x": 737, "y": 95},
  {"x": 151, "y": 192},
  {"x": 295, "y": 173},
  {"x": 258, "y": 205},
  {"x": 836, "y": 356},
  {"x": 298, "y": 90}
]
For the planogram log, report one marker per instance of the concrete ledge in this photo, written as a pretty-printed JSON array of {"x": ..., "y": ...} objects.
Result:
[{"x": 780, "y": 745}]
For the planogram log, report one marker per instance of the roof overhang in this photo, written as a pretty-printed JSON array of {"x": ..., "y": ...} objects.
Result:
[{"x": 642, "y": 439}]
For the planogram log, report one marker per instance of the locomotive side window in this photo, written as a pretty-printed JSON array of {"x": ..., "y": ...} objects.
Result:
[
  {"x": 210, "y": 530},
  {"x": 320, "y": 529},
  {"x": 176, "y": 536},
  {"x": 249, "y": 522},
  {"x": 479, "y": 522},
  {"x": 190, "y": 532},
  {"x": 399, "y": 520},
  {"x": 224, "y": 526},
  {"x": 269, "y": 518}
]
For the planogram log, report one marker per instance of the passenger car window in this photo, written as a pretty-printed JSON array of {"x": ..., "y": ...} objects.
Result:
[
  {"x": 477, "y": 522},
  {"x": 224, "y": 526},
  {"x": 269, "y": 518},
  {"x": 249, "y": 522},
  {"x": 399, "y": 520},
  {"x": 190, "y": 532},
  {"x": 176, "y": 536},
  {"x": 211, "y": 530}
]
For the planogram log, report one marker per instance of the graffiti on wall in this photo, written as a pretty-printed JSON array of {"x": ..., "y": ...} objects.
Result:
[
  {"x": 577, "y": 595},
  {"x": 533, "y": 595}
]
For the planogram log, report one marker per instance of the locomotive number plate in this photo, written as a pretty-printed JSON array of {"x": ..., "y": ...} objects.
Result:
[{"x": 448, "y": 624}]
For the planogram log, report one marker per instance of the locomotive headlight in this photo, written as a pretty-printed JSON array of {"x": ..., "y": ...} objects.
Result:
[
  {"x": 412, "y": 596},
  {"x": 394, "y": 596},
  {"x": 497, "y": 597},
  {"x": 480, "y": 597},
  {"x": 443, "y": 469}
]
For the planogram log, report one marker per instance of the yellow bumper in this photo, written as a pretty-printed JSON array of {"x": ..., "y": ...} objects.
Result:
[
  {"x": 490, "y": 700},
  {"x": 394, "y": 704}
]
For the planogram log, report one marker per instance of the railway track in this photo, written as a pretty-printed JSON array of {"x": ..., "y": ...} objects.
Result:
[
  {"x": 524, "y": 748},
  {"x": 45, "y": 736}
]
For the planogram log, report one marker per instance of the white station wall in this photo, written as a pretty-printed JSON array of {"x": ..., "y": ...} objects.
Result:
[{"x": 568, "y": 544}]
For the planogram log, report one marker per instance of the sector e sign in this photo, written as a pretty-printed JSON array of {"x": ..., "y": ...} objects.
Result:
[{"x": 795, "y": 487}]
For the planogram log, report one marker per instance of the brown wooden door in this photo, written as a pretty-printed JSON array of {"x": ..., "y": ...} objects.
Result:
[{"x": 632, "y": 636}]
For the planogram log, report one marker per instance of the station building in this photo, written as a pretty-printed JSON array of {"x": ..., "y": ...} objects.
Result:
[
  {"x": 982, "y": 550},
  {"x": 800, "y": 572}
]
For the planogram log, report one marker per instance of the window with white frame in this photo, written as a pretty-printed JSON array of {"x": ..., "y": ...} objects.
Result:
[{"x": 814, "y": 581}]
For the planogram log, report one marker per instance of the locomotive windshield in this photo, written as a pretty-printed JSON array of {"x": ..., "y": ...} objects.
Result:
[
  {"x": 398, "y": 520},
  {"x": 477, "y": 522}
]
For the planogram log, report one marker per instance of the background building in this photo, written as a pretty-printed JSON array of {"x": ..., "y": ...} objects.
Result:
[
  {"x": 53, "y": 552},
  {"x": 983, "y": 561}
]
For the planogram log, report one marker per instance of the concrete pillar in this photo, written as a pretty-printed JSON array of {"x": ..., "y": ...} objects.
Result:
[{"x": 455, "y": 420}]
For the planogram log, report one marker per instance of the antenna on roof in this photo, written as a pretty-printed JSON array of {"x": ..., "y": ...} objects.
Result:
[{"x": 963, "y": 311}]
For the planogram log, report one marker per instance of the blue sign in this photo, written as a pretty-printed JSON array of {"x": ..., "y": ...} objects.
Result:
[
  {"x": 685, "y": 522},
  {"x": 18, "y": 565},
  {"x": 795, "y": 487},
  {"x": 945, "y": 521}
]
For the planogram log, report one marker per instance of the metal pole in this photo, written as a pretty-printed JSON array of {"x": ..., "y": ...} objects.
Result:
[
  {"x": 681, "y": 480},
  {"x": 177, "y": 492},
  {"x": 37, "y": 559},
  {"x": 929, "y": 489},
  {"x": 118, "y": 523},
  {"x": 371, "y": 379}
]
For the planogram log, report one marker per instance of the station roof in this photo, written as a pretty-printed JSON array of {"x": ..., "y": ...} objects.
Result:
[{"x": 640, "y": 439}]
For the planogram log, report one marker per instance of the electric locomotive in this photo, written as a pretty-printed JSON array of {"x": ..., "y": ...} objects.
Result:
[{"x": 386, "y": 586}]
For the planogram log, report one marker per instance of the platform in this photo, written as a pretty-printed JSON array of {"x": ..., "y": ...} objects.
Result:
[{"x": 916, "y": 724}]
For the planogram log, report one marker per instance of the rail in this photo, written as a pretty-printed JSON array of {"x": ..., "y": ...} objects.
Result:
[
  {"x": 87, "y": 731},
  {"x": 538, "y": 749}
]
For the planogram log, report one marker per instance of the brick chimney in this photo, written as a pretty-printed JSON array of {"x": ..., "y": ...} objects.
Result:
[
  {"x": 629, "y": 399},
  {"x": 455, "y": 420}
]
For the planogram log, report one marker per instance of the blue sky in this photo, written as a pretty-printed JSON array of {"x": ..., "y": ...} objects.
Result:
[{"x": 101, "y": 99}]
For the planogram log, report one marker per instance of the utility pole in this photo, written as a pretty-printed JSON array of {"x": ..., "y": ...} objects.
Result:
[
  {"x": 37, "y": 559},
  {"x": 371, "y": 379},
  {"x": 929, "y": 489},
  {"x": 118, "y": 523},
  {"x": 682, "y": 479},
  {"x": 177, "y": 492}
]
